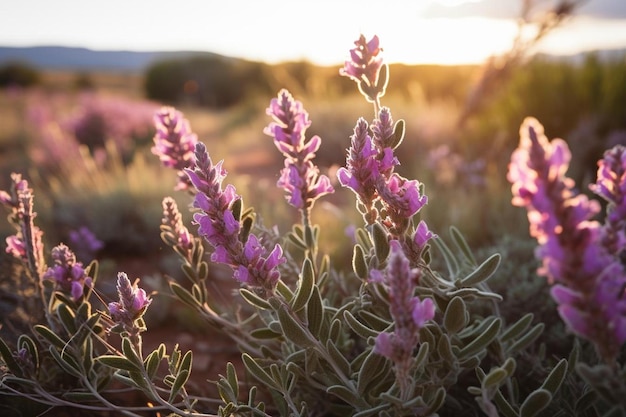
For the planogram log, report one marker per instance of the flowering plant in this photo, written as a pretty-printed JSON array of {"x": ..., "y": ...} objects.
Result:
[{"x": 409, "y": 331}]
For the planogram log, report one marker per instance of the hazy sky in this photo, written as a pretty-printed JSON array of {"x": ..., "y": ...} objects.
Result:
[{"x": 412, "y": 31}]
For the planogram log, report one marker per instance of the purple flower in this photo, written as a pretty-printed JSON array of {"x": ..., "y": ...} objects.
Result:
[
  {"x": 402, "y": 199},
  {"x": 217, "y": 224},
  {"x": 589, "y": 274},
  {"x": 85, "y": 242},
  {"x": 172, "y": 219},
  {"x": 300, "y": 178},
  {"x": 408, "y": 312},
  {"x": 422, "y": 235},
  {"x": 365, "y": 61},
  {"x": 68, "y": 275},
  {"x": 174, "y": 143},
  {"x": 131, "y": 305}
]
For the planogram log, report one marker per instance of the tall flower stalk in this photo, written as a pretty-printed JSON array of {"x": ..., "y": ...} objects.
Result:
[
  {"x": 578, "y": 257},
  {"x": 300, "y": 177},
  {"x": 218, "y": 222}
]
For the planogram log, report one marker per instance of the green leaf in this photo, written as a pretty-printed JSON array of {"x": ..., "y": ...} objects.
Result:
[
  {"x": 305, "y": 289},
  {"x": 398, "y": 134},
  {"x": 373, "y": 320},
  {"x": 436, "y": 402},
  {"x": 130, "y": 353},
  {"x": 67, "y": 317},
  {"x": 338, "y": 357},
  {"x": 117, "y": 362},
  {"x": 66, "y": 362},
  {"x": 343, "y": 393},
  {"x": 554, "y": 380},
  {"x": 315, "y": 312},
  {"x": 183, "y": 295},
  {"x": 517, "y": 328},
  {"x": 455, "y": 317},
  {"x": 80, "y": 397},
  {"x": 292, "y": 329},
  {"x": 527, "y": 339},
  {"x": 483, "y": 272},
  {"x": 494, "y": 378},
  {"x": 504, "y": 406},
  {"x": 481, "y": 341},
  {"x": 381, "y": 242},
  {"x": 178, "y": 384},
  {"x": 231, "y": 376},
  {"x": 462, "y": 245},
  {"x": 444, "y": 348},
  {"x": 152, "y": 364},
  {"x": 254, "y": 300},
  {"x": 422, "y": 355},
  {"x": 448, "y": 256},
  {"x": 372, "y": 367},
  {"x": 259, "y": 373},
  {"x": 25, "y": 342},
  {"x": 9, "y": 360},
  {"x": 185, "y": 364},
  {"x": 535, "y": 402},
  {"x": 357, "y": 327},
  {"x": 358, "y": 262}
]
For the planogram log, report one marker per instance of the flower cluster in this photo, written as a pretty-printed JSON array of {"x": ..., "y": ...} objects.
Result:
[
  {"x": 365, "y": 63},
  {"x": 68, "y": 275},
  {"x": 27, "y": 243},
  {"x": 218, "y": 222},
  {"x": 409, "y": 313},
  {"x": 174, "y": 143},
  {"x": 589, "y": 276},
  {"x": 130, "y": 307},
  {"x": 300, "y": 178},
  {"x": 85, "y": 243},
  {"x": 173, "y": 220}
]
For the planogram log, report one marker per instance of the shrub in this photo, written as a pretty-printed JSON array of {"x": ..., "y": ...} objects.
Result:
[{"x": 18, "y": 74}]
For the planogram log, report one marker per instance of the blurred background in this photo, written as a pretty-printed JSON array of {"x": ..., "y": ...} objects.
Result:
[{"x": 80, "y": 82}]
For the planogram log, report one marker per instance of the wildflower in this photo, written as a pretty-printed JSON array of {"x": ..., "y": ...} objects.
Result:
[
  {"x": 68, "y": 275},
  {"x": 409, "y": 313},
  {"x": 174, "y": 143},
  {"x": 131, "y": 305},
  {"x": 172, "y": 219},
  {"x": 300, "y": 178},
  {"x": 402, "y": 199},
  {"x": 218, "y": 225},
  {"x": 85, "y": 242},
  {"x": 365, "y": 61},
  {"x": 589, "y": 278}
]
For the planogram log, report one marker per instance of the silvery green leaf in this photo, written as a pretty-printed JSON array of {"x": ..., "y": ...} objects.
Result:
[
  {"x": 179, "y": 381},
  {"x": 255, "y": 369},
  {"x": 475, "y": 391},
  {"x": 436, "y": 402},
  {"x": 254, "y": 300},
  {"x": 265, "y": 333},
  {"x": 554, "y": 380},
  {"x": 509, "y": 366},
  {"x": 517, "y": 328},
  {"x": 130, "y": 354},
  {"x": 445, "y": 349},
  {"x": 494, "y": 378},
  {"x": 87, "y": 355},
  {"x": 25, "y": 342},
  {"x": 462, "y": 245},
  {"x": 67, "y": 317},
  {"x": 80, "y": 397},
  {"x": 363, "y": 239},
  {"x": 9, "y": 360},
  {"x": 152, "y": 364},
  {"x": 398, "y": 134},
  {"x": 183, "y": 295},
  {"x": 358, "y": 327},
  {"x": 482, "y": 341},
  {"x": 315, "y": 312},
  {"x": 198, "y": 293},
  {"x": 422, "y": 355},
  {"x": 292, "y": 329},
  {"x": 231, "y": 376},
  {"x": 376, "y": 322},
  {"x": 297, "y": 241},
  {"x": 535, "y": 402},
  {"x": 381, "y": 242},
  {"x": 358, "y": 262},
  {"x": 344, "y": 393},
  {"x": 225, "y": 391},
  {"x": 377, "y": 410},
  {"x": 483, "y": 272},
  {"x": 305, "y": 287},
  {"x": 586, "y": 401},
  {"x": 455, "y": 317},
  {"x": 338, "y": 357},
  {"x": 117, "y": 362},
  {"x": 527, "y": 339},
  {"x": 66, "y": 362},
  {"x": 504, "y": 406},
  {"x": 185, "y": 363},
  {"x": 372, "y": 367},
  {"x": 448, "y": 256},
  {"x": 335, "y": 330}
]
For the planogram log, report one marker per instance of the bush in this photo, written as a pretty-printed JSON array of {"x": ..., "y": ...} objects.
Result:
[{"x": 18, "y": 74}]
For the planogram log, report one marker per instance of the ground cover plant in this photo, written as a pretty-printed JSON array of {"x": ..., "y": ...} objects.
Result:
[{"x": 413, "y": 327}]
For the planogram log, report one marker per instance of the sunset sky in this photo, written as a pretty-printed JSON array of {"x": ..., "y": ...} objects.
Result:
[{"x": 411, "y": 31}]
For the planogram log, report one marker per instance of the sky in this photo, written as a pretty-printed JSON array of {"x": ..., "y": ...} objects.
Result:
[{"x": 321, "y": 31}]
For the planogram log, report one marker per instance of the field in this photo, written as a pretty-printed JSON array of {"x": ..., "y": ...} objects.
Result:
[{"x": 103, "y": 177}]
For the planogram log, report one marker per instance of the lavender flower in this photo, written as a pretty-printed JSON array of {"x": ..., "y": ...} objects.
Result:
[
  {"x": 174, "y": 143},
  {"x": 173, "y": 220},
  {"x": 85, "y": 242},
  {"x": 300, "y": 177},
  {"x": 365, "y": 61},
  {"x": 130, "y": 307},
  {"x": 68, "y": 275},
  {"x": 218, "y": 225},
  {"x": 402, "y": 199},
  {"x": 589, "y": 278},
  {"x": 409, "y": 314}
]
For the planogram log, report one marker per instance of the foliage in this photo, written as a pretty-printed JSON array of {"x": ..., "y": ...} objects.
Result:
[
  {"x": 18, "y": 74},
  {"x": 415, "y": 326}
]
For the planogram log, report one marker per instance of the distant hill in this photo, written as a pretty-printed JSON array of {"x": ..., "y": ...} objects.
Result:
[{"x": 83, "y": 59}]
